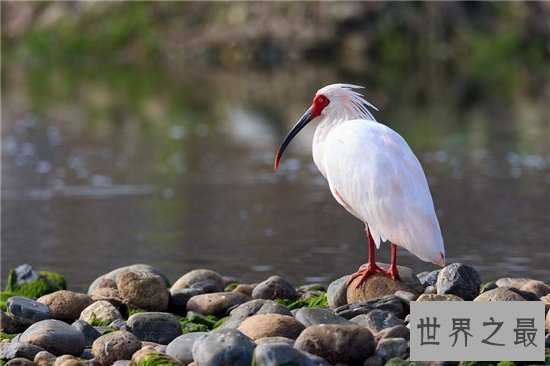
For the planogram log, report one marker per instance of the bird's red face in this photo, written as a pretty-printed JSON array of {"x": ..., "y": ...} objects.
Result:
[{"x": 320, "y": 102}]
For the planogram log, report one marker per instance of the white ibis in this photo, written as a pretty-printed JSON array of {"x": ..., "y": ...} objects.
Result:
[{"x": 373, "y": 173}]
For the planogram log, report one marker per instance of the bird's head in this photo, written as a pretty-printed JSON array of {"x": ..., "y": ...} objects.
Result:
[{"x": 338, "y": 101}]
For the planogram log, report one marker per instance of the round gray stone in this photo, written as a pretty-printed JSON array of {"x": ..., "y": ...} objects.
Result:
[
  {"x": 26, "y": 310},
  {"x": 459, "y": 279},
  {"x": 181, "y": 348},
  {"x": 9, "y": 350},
  {"x": 131, "y": 268},
  {"x": 314, "y": 316},
  {"x": 201, "y": 279},
  {"x": 275, "y": 287},
  {"x": 337, "y": 292},
  {"x": 391, "y": 347},
  {"x": 377, "y": 320},
  {"x": 180, "y": 297},
  {"x": 275, "y": 354},
  {"x": 225, "y": 347},
  {"x": 389, "y": 303},
  {"x": 90, "y": 333},
  {"x": 56, "y": 337},
  {"x": 155, "y": 327}
]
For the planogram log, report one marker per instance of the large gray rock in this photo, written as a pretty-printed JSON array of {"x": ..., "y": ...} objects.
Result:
[
  {"x": 201, "y": 279},
  {"x": 9, "y": 350},
  {"x": 144, "y": 290},
  {"x": 216, "y": 303},
  {"x": 275, "y": 354},
  {"x": 181, "y": 348},
  {"x": 337, "y": 292},
  {"x": 132, "y": 268},
  {"x": 389, "y": 303},
  {"x": 119, "y": 345},
  {"x": 275, "y": 287},
  {"x": 254, "y": 307},
  {"x": 459, "y": 279},
  {"x": 90, "y": 333},
  {"x": 337, "y": 343},
  {"x": 27, "y": 311},
  {"x": 66, "y": 305},
  {"x": 377, "y": 320},
  {"x": 314, "y": 316},
  {"x": 224, "y": 347},
  {"x": 56, "y": 337},
  {"x": 391, "y": 347},
  {"x": 155, "y": 327}
]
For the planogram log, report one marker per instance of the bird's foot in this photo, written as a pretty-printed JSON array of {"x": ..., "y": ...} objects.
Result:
[
  {"x": 365, "y": 272},
  {"x": 372, "y": 269}
]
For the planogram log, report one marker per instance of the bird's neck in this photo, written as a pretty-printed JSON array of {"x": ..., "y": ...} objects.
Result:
[{"x": 321, "y": 133}]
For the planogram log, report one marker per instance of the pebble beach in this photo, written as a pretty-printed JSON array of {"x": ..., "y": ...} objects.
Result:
[{"x": 135, "y": 315}]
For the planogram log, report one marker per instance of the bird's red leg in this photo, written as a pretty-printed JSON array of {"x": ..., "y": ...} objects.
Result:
[
  {"x": 371, "y": 267},
  {"x": 392, "y": 272}
]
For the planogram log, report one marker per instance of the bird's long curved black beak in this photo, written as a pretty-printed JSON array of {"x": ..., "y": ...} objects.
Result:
[{"x": 306, "y": 118}]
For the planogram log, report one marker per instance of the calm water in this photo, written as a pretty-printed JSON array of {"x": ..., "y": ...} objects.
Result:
[{"x": 175, "y": 170}]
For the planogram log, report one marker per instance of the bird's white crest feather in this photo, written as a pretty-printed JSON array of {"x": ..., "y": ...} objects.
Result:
[{"x": 352, "y": 105}]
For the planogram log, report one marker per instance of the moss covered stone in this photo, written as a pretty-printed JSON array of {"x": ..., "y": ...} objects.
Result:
[
  {"x": 6, "y": 336},
  {"x": 231, "y": 286},
  {"x": 156, "y": 359},
  {"x": 47, "y": 282},
  {"x": 4, "y": 296},
  {"x": 396, "y": 361},
  {"x": 314, "y": 302}
]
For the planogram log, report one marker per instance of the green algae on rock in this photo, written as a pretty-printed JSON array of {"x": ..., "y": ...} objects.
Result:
[{"x": 47, "y": 282}]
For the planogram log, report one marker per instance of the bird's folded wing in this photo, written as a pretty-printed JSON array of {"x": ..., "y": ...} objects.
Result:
[{"x": 378, "y": 176}]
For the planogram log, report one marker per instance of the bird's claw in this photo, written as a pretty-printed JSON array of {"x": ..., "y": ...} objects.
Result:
[{"x": 372, "y": 269}]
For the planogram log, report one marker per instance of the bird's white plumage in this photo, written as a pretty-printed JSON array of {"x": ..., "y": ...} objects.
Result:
[{"x": 373, "y": 173}]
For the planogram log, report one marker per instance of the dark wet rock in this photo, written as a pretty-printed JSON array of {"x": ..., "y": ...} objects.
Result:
[
  {"x": 87, "y": 354},
  {"x": 132, "y": 268},
  {"x": 66, "y": 305},
  {"x": 143, "y": 290},
  {"x": 459, "y": 279},
  {"x": 9, "y": 325},
  {"x": 9, "y": 350},
  {"x": 499, "y": 294},
  {"x": 374, "y": 361},
  {"x": 202, "y": 279},
  {"x": 337, "y": 292},
  {"x": 216, "y": 303},
  {"x": 284, "y": 340},
  {"x": 436, "y": 297},
  {"x": 527, "y": 295},
  {"x": 44, "y": 358},
  {"x": 398, "y": 331},
  {"x": 55, "y": 336},
  {"x": 27, "y": 311},
  {"x": 389, "y": 348},
  {"x": 275, "y": 287},
  {"x": 376, "y": 320},
  {"x": 179, "y": 299},
  {"x": 271, "y": 325},
  {"x": 245, "y": 288},
  {"x": 155, "y": 327},
  {"x": 19, "y": 361},
  {"x": 313, "y": 316},
  {"x": 337, "y": 343},
  {"x": 512, "y": 282},
  {"x": 254, "y": 307},
  {"x": 100, "y": 313},
  {"x": 389, "y": 303},
  {"x": 274, "y": 354},
  {"x": 223, "y": 347},
  {"x": 539, "y": 288},
  {"x": 430, "y": 278},
  {"x": 90, "y": 333},
  {"x": 487, "y": 286},
  {"x": 118, "y": 345},
  {"x": 181, "y": 347}
]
